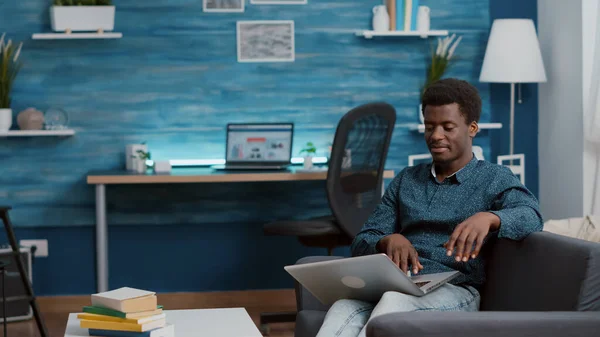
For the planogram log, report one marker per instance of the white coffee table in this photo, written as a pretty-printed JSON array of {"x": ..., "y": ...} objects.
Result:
[{"x": 230, "y": 322}]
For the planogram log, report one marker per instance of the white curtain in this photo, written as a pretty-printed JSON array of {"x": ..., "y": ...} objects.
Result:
[{"x": 592, "y": 113}]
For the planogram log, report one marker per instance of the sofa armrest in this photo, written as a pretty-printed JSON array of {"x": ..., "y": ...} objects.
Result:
[
  {"x": 304, "y": 299},
  {"x": 543, "y": 272},
  {"x": 485, "y": 323},
  {"x": 308, "y": 323}
]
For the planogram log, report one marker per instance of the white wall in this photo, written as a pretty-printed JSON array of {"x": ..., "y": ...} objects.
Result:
[
  {"x": 590, "y": 156},
  {"x": 560, "y": 132}
]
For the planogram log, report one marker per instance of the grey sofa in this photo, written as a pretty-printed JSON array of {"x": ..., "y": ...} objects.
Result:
[{"x": 545, "y": 285}]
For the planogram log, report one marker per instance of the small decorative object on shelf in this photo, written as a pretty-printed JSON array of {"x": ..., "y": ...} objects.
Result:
[
  {"x": 30, "y": 119},
  {"x": 9, "y": 68},
  {"x": 131, "y": 153},
  {"x": 56, "y": 119},
  {"x": 140, "y": 161},
  {"x": 310, "y": 151},
  {"x": 381, "y": 19},
  {"x": 162, "y": 166},
  {"x": 404, "y": 18},
  {"x": 82, "y": 16},
  {"x": 441, "y": 59},
  {"x": 423, "y": 20}
]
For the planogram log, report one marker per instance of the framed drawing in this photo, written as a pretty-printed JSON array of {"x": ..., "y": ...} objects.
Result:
[
  {"x": 278, "y": 2},
  {"x": 265, "y": 41},
  {"x": 223, "y": 6}
]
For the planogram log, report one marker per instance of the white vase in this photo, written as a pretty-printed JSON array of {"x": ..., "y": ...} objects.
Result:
[
  {"x": 5, "y": 119},
  {"x": 308, "y": 162},
  {"x": 423, "y": 19},
  {"x": 381, "y": 19},
  {"x": 82, "y": 18}
]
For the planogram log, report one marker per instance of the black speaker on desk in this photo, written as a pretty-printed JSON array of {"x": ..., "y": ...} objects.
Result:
[{"x": 19, "y": 309}]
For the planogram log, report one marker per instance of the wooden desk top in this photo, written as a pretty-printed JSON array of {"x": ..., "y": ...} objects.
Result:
[{"x": 207, "y": 175}]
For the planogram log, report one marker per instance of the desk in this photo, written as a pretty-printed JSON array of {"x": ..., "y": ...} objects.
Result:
[{"x": 178, "y": 175}]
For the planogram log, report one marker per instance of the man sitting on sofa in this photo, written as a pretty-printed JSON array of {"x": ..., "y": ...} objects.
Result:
[{"x": 436, "y": 217}]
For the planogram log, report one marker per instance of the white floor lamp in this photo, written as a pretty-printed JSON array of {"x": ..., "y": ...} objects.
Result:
[{"x": 513, "y": 56}]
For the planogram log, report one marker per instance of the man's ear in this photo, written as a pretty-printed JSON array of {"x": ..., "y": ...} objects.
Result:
[{"x": 473, "y": 129}]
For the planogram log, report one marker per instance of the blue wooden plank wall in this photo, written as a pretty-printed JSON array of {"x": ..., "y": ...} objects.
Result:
[{"x": 173, "y": 81}]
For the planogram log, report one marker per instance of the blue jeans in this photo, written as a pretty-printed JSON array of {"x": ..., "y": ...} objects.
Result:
[{"x": 348, "y": 318}]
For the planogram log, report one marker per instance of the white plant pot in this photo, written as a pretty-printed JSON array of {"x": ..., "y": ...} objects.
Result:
[
  {"x": 140, "y": 165},
  {"x": 131, "y": 152},
  {"x": 82, "y": 18},
  {"x": 308, "y": 163},
  {"x": 5, "y": 119}
]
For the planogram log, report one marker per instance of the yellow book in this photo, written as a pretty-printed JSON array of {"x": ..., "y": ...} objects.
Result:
[
  {"x": 105, "y": 325},
  {"x": 105, "y": 318}
]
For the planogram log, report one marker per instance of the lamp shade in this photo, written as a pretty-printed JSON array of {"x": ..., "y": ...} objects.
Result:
[{"x": 513, "y": 53}]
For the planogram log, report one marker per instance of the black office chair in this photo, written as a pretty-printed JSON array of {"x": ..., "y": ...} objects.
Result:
[{"x": 354, "y": 185}]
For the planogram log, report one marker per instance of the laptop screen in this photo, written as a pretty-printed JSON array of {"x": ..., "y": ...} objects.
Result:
[{"x": 266, "y": 143}]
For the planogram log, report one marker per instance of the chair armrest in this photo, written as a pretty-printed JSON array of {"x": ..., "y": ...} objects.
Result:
[
  {"x": 304, "y": 299},
  {"x": 543, "y": 272},
  {"x": 485, "y": 323}
]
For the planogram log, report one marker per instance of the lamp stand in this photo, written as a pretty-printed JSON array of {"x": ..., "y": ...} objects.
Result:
[{"x": 512, "y": 118}]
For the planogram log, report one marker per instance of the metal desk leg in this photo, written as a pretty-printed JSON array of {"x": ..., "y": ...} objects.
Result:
[{"x": 101, "y": 240}]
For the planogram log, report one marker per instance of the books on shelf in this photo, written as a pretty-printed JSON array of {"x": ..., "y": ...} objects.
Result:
[
  {"x": 403, "y": 14},
  {"x": 125, "y": 312}
]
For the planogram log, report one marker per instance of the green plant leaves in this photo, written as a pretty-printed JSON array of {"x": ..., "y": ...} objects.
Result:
[{"x": 9, "y": 68}]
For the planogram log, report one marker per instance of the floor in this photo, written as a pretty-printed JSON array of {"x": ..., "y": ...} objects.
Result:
[{"x": 55, "y": 310}]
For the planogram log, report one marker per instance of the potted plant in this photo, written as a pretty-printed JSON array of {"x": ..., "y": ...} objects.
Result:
[
  {"x": 310, "y": 150},
  {"x": 82, "y": 15},
  {"x": 139, "y": 161},
  {"x": 440, "y": 62},
  {"x": 9, "y": 68}
]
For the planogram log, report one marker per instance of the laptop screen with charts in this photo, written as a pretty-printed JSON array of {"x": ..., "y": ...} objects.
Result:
[{"x": 268, "y": 144}]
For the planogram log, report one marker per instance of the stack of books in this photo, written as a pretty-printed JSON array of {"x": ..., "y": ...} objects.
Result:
[
  {"x": 403, "y": 14},
  {"x": 125, "y": 312}
]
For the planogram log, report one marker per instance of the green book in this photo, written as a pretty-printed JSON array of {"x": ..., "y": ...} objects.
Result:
[{"x": 115, "y": 313}]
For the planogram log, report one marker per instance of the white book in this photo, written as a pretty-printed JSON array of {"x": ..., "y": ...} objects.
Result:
[{"x": 126, "y": 299}]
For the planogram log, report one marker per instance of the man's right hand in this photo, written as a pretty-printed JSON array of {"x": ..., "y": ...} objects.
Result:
[{"x": 401, "y": 251}]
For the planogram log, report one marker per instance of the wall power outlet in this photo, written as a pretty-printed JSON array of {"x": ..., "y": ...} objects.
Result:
[{"x": 41, "y": 246}]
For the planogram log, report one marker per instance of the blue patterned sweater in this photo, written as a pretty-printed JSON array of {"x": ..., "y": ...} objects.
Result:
[{"x": 426, "y": 212}]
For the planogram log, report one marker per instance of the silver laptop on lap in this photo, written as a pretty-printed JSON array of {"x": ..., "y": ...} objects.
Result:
[
  {"x": 258, "y": 146},
  {"x": 364, "y": 278}
]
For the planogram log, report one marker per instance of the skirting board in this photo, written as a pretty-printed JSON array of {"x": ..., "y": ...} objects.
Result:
[{"x": 278, "y": 300}]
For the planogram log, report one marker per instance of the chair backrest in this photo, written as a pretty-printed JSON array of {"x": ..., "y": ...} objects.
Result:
[
  {"x": 418, "y": 157},
  {"x": 356, "y": 166},
  {"x": 516, "y": 168}
]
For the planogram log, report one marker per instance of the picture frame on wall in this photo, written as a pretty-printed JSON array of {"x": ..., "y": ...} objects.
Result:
[
  {"x": 266, "y": 41},
  {"x": 279, "y": 2},
  {"x": 223, "y": 6}
]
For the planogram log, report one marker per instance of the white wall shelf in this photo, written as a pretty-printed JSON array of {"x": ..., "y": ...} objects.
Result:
[
  {"x": 399, "y": 33},
  {"x": 75, "y": 36},
  {"x": 482, "y": 126},
  {"x": 37, "y": 133}
]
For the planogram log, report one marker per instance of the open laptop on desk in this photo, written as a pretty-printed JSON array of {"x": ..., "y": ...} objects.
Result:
[{"x": 258, "y": 146}]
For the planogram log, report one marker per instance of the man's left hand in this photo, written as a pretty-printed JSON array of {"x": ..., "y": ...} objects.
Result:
[{"x": 469, "y": 232}]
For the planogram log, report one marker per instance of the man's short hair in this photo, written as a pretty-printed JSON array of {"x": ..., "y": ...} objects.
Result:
[{"x": 452, "y": 90}]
